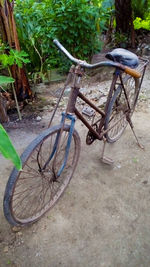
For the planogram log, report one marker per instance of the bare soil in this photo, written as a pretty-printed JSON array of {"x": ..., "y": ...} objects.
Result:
[{"x": 103, "y": 219}]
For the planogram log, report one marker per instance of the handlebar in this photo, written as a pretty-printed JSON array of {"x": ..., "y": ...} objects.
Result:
[{"x": 86, "y": 65}]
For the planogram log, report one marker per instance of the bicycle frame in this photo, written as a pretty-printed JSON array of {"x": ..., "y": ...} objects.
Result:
[
  {"x": 75, "y": 93},
  {"x": 50, "y": 160},
  {"x": 71, "y": 110}
]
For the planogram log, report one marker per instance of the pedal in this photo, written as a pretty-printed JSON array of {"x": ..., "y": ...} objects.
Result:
[
  {"x": 88, "y": 111},
  {"x": 107, "y": 160}
]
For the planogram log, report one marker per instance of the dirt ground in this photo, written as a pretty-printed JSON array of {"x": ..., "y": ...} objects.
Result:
[{"x": 103, "y": 219}]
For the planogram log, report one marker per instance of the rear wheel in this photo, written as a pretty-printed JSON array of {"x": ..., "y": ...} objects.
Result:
[
  {"x": 31, "y": 192},
  {"x": 132, "y": 88},
  {"x": 116, "y": 118}
]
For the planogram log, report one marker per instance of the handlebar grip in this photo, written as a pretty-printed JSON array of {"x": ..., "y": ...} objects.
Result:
[{"x": 132, "y": 72}]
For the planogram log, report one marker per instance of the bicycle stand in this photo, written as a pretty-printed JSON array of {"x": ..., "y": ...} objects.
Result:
[
  {"x": 104, "y": 159},
  {"x": 132, "y": 128}
]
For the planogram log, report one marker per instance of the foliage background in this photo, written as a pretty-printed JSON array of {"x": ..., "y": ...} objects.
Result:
[{"x": 78, "y": 24}]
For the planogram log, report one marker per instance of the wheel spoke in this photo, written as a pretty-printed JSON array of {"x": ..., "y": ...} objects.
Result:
[
  {"x": 118, "y": 107},
  {"x": 35, "y": 191}
]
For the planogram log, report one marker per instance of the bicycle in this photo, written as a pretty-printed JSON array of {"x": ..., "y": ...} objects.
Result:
[{"x": 50, "y": 160}]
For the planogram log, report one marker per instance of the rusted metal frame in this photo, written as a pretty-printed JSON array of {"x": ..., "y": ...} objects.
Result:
[
  {"x": 85, "y": 122},
  {"x": 109, "y": 128},
  {"x": 85, "y": 99},
  {"x": 73, "y": 97},
  {"x": 77, "y": 74},
  {"x": 112, "y": 88},
  {"x": 142, "y": 76},
  {"x": 60, "y": 97},
  {"x": 69, "y": 110},
  {"x": 72, "y": 100},
  {"x": 124, "y": 90},
  {"x": 143, "y": 73},
  {"x": 137, "y": 95},
  {"x": 99, "y": 136},
  {"x": 64, "y": 115}
]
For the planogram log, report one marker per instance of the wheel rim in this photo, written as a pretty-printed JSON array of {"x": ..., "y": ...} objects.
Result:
[
  {"x": 118, "y": 123},
  {"x": 131, "y": 86},
  {"x": 35, "y": 192},
  {"x": 119, "y": 108}
]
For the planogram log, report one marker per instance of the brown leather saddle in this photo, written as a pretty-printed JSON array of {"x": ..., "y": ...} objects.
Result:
[{"x": 124, "y": 57}]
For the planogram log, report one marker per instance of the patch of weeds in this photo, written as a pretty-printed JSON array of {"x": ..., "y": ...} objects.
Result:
[
  {"x": 143, "y": 97},
  {"x": 50, "y": 217},
  {"x": 135, "y": 160}
]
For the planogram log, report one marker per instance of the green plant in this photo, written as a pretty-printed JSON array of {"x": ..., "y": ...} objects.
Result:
[
  {"x": 13, "y": 57},
  {"x": 119, "y": 39},
  {"x": 34, "y": 25},
  {"x": 106, "y": 13},
  {"x": 7, "y": 60},
  {"x": 144, "y": 24},
  {"x": 140, "y": 8},
  {"x": 141, "y": 11},
  {"x": 7, "y": 149},
  {"x": 76, "y": 23},
  {"x": 5, "y": 80}
]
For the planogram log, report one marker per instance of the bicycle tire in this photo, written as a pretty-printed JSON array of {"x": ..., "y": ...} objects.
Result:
[
  {"x": 117, "y": 108},
  {"x": 132, "y": 86},
  {"x": 30, "y": 193}
]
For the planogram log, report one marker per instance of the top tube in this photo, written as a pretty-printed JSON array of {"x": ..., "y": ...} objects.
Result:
[{"x": 84, "y": 64}]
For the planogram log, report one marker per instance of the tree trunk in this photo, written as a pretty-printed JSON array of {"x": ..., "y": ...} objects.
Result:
[
  {"x": 3, "y": 109},
  {"x": 124, "y": 19},
  {"x": 9, "y": 34}
]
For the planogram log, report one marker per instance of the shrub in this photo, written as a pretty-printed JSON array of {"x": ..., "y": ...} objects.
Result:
[
  {"x": 73, "y": 22},
  {"x": 144, "y": 24}
]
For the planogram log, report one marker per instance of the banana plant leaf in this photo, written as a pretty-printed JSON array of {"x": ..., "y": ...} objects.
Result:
[
  {"x": 8, "y": 150},
  {"x": 5, "y": 80}
]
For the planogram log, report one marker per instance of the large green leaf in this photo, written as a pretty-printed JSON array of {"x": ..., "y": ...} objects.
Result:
[
  {"x": 7, "y": 149},
  {"x": 5, "y": 80}
]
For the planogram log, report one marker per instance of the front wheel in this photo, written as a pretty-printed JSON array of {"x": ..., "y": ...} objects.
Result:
[{"x": 30, "y": 193}]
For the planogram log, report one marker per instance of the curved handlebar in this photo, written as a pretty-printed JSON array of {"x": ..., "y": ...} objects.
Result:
[
  {"x": 81, "y": 62},
  {"x": 84, "y": 64},
  {"x": 64, "y": 50}
]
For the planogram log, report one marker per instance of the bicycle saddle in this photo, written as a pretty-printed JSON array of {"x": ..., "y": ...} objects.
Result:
[{"x": 124, "y": 57}]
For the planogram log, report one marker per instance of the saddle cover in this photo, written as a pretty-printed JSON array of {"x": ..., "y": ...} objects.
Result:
[{"x": 124, "y": 57}]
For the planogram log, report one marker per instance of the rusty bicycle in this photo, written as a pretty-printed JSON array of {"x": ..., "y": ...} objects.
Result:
[{"x": 50, "y": 160}]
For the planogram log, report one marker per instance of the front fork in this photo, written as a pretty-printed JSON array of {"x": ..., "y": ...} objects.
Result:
[
  {"x": 74, "y": 77},
  {"x": 77, "y": 73},
  {"x": 57, "y": 142},
  {"x": 71, "y": 129}
]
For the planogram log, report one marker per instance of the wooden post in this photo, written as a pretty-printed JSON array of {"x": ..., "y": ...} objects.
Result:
[
  {"x": 3, "y": 109},
  {"x": 9, "y": 34}
]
